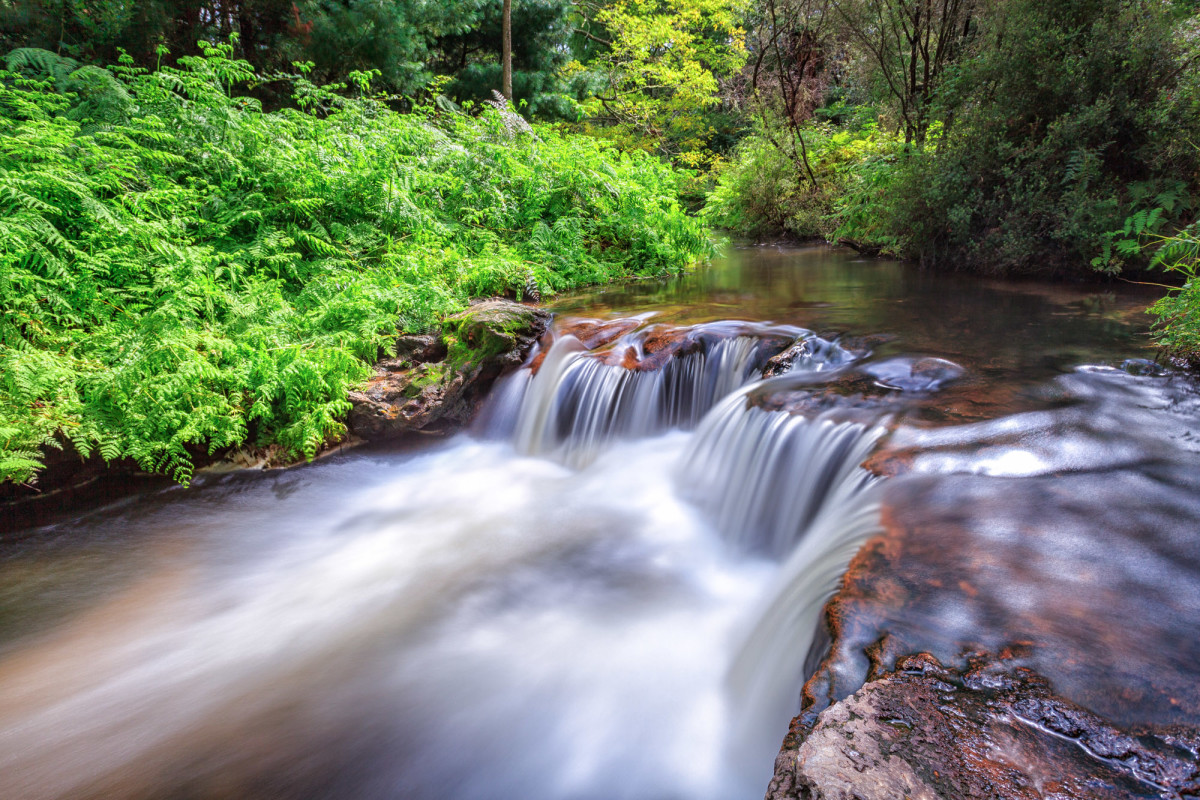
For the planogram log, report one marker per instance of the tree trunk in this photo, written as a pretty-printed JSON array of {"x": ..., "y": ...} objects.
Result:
[{"x": 506, "y": 51}]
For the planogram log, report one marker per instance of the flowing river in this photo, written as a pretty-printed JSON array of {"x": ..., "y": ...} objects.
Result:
[{"x": 612, "y": 587}]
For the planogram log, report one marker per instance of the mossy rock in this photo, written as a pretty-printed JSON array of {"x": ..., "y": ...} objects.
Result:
[
  {"x": 476, "y": 346},
  {"x": 493, "y": 332}
]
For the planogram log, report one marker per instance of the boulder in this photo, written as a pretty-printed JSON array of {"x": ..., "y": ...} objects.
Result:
[
  {"x": 991, "y": 731},
  {"x": 434, "y": 383}
]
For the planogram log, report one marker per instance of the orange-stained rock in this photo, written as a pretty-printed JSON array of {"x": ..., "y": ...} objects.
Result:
[{"x": 593, "y": 333}]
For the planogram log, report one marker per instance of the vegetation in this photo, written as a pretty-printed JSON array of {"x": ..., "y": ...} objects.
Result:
[
  {"x": 411, "y": 44},
  {"x": 1011, "y": 137},
  {"x": 658, "y": 70},
  {"x": 183, "y": 271},
  {"x": 1178, "y": 314},
  {"x": 207, "y": 243}
]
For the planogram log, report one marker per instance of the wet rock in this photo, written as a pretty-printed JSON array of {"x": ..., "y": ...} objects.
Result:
[
  {"x": 991, "y": 731},
  {"x": 593, "y": 333},
  {"x": 806, "y": 353},
  {"x": 416, "y": 348},
  {"x": 862, "y": 345},
  {"x": 841, "y": 394},
  {"x": 658, "y": 345},
  {"x": 915, "y": 374},
  {"x": 1143, "y": 366},
  {"x": 1089, "y": 695},
  {"x": 850, "y": 391},
  {"x": 970, "y": 562},
  {"x": 413, "y": 393},
  {"x": 492, "y": 335}
]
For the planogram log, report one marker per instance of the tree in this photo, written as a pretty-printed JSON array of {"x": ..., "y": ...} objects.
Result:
[
  {"x": 1068, "y": 118},
  {"x": 659, "y": 62},
  {"x": 506, "y": 52},
  {"x": 910, "y": 44},
  {"x": 472, "y": 57},
  {"x": 789, "y": 40}
]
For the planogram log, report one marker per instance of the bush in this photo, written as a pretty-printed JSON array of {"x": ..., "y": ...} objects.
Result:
[
  {"x": 181, "y": 270},
  {"x": 1040, "y": 164},
  {"x": 1177, "y": 328},
  {"x": 764, "y": 192}
]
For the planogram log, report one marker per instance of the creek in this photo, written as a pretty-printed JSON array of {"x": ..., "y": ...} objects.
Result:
[{"x": 612, "y": 586}]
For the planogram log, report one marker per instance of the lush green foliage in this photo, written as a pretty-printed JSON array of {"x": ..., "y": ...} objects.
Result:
[
  {"x": 644, "y": 73},
  {"x": 1038, "y": 138},
  {"x": 763, "y": 193},
  {"x": 1178, "y": 314},
  {"x": 1041, "y": 164},
  {"x": 658, "y": 69},
  {"x": 182, "y": 271},
  {"x": 410, "y": 43},
  {"x": 1012, "y": 166}
]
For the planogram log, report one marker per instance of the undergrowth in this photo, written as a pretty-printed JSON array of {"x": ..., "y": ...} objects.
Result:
[
  {"x": 763, "y": 192},
  {"x": 182, "y": 272},
  {"x": 1177, "y": 323}
]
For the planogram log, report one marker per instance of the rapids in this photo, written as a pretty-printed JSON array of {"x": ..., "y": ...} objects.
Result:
[{"x": 612, "y": 587}]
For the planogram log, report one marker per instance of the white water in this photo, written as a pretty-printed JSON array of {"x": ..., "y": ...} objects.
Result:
[
  {"x": 471, "y": 622},
  {"x": 577, "y": 403}
]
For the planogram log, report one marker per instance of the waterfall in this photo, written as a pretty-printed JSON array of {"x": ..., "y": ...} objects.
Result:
[
  {"x": 765, "y": 476},
  {"x": 766, "y": 670},
  {"x": 773, "y": 484},
  {"x": 790, "y": 488},
  {"x": 577, "y": 402},
  {"x": 633, "y": 626}
]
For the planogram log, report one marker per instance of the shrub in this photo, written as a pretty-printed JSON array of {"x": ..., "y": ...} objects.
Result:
[{"x": 763, "y": 192}]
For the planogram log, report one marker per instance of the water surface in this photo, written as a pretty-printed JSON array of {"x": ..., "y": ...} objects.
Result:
[{"x": 611, "y": 588}]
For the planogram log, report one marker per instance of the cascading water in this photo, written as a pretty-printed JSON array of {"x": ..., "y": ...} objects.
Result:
[
  {"x": 765, "y": 477},
  {"x": 576, "y": 402},
  {"x": 588, "y": 626},
  {"x": 792, "y": 488},
  {"x": 608, "y": 606}
]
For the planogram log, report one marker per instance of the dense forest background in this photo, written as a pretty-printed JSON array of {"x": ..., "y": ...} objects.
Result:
[{"x": 216, "y": 212}]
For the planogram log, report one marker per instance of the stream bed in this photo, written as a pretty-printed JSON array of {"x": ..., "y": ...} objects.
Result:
[{"x": 612, "y": 587}]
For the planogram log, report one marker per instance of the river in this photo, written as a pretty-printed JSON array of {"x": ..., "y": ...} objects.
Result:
[{"x": 612, "y": 587}]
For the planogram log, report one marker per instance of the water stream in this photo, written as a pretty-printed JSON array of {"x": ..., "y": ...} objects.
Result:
[{"x": 610, "y": 588}]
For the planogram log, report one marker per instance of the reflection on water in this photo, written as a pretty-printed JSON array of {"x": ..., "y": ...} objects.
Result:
[{"x": 613, "y": 595}]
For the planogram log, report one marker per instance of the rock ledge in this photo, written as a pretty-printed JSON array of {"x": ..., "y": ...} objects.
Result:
[
  {"x": 435, "y": 383},
  {"x": 989, "y": 732}
]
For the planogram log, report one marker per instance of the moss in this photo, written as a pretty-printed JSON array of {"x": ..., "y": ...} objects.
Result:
[
  {"x": 425, "y": 376},
  {"x": 485, "y": 331}
]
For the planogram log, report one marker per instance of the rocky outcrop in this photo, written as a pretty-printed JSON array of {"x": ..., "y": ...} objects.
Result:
[
  {"x": 1058, "y": 573},
  {"x": 435, "y": 383},
  {"x": 989, "y": 732}
]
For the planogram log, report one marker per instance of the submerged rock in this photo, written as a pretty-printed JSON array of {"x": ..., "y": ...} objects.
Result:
[
  {"x": 915, "y": 374},
  {"x": 593, "y": 333},
  {"x": 435, "y": 383},
  {"x": 989, "y": 732}
]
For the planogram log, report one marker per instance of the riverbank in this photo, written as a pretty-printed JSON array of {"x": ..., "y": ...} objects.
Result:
[
  {"x": 192, "y": 275},
  {"x": 431, "y": 385}
]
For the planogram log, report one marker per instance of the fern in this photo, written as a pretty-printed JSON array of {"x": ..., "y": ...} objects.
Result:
[{"x": 184, "y": 273}]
